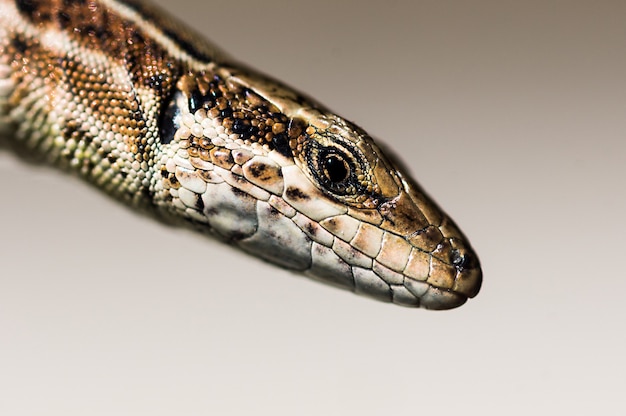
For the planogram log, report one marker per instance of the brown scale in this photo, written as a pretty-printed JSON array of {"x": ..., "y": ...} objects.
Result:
[
  {"x": 92, "y": 26},
  {"x": 95, "y": 28},
  {"x": 192, "y": 42},
  {"x": 110, "y": 102},
  {"x": 30, "y": 64},
  {"x": 121, "y": 107},
  {"x": 93, "y": 86},
  {"x": 241, "y": 111}
]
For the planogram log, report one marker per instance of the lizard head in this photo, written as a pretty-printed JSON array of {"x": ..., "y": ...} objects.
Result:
[{"x": 286, "y": 180}]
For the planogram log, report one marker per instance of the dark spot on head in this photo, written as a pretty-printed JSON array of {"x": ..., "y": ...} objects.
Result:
[
  {"x": 238, "y": 192},
  {"x": 332, "y": 222},
  {"x": 311, "y": 229},
  {"x": 156, "y": 82},
  {"x": 257, "y": 169},
  {"x": 295, "y": 193},
  {"x": 199, "y": 204},
  {"x": 226, "y": 113},
  {"x": 241, "y": 180},
  {"x": 210, "y": 212},
  {"x": 281, "y": 144},
  {"x": 28, "y": 6},
  {"x": 96, "y": 32},
  {"x": 240, "y": 126},
  {"x": 137, "y": 37},
  {"x": 19, "y": 45},
  {"x": 214, "y": 89},
  {"x": 63, "y": 19},
  {"x": 274, "y": 212},
  {"x": 196, "y": 100}
]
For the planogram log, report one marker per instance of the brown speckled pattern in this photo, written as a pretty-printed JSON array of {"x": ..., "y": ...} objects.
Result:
[{"x": 122, "y": 96}]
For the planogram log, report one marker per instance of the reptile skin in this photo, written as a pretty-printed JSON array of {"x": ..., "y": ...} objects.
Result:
[{"x": 130, "y": 100}]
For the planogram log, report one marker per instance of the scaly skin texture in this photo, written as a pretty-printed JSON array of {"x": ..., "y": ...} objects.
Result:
[{"x": 131, "y": 101}]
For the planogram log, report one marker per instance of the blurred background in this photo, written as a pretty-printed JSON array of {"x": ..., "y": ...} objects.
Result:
[{"x": 510, "y": 114}]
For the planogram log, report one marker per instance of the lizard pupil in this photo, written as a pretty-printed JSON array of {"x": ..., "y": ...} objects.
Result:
[{"x": 336, "y": 168}]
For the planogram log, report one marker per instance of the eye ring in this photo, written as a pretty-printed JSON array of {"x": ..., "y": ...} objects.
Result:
[
  {"x": 338, "y": 160},
  {"x": 336, "y": 169}
]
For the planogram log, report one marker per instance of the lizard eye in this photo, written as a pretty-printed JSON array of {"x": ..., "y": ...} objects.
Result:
[
  {"x": 169, "y": 122},
  {"x": 336, "y": 169}
]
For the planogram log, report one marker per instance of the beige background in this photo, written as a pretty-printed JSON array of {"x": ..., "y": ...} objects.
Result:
[{"x": 511, "y": 114}]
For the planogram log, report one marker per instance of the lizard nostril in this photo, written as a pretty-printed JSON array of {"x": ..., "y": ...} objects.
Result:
[{"x": 458, "y": 260}]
